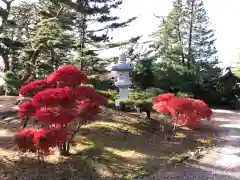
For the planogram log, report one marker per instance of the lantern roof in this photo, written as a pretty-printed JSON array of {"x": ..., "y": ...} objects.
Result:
[{"x": 122, "y": 65}]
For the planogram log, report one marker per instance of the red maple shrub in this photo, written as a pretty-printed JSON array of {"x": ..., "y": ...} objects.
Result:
[
  {"x": 33, "y": 87},
  {"x": 56, "y": 101},
  {"x": 67, "y": 76},
  {"x": 26, "y": 109},
  {"x": 184, "y": 111}
]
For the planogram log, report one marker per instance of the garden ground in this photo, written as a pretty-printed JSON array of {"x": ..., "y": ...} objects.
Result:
[
  {"x": 118, "y": 146},
  {"x": 222, "y": 162}
]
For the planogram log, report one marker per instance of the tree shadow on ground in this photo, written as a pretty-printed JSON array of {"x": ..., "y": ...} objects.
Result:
[
  {"x": 120, "y": 146},
  {"x": 29, "y": 168},
  {"x": 142, "y": 147}
]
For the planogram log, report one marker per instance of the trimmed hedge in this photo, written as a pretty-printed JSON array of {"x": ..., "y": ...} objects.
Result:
[
  {"x": 110, "y": 94},
  {"x": 137, "y": 95}
]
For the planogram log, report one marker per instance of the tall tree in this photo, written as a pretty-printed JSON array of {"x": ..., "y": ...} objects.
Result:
[
  {"x": 94, "y": 22},
  {"x": 199, "y": 35},
  {"x": 186, "y": 48},
  {"x": 48, "y": 43},
  {"x": 170, "y": 36},
  {"x": 8, "y": 44}
]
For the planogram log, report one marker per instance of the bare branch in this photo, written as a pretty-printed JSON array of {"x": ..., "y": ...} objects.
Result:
[
  {"x": 7, "y": 2},
  {"x": 60, "y": 10}
]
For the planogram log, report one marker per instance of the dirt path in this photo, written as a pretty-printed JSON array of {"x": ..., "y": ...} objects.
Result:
[{"x": 222, "y": 162}]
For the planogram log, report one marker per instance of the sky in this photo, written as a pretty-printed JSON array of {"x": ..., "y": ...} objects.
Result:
[{"x": 222, "y": 13}]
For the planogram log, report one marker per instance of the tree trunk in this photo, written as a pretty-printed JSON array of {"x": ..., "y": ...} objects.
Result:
[
  {"x": 52, "y": 53},
  {"x": 82, "y": 40},
  {"x": 33, "y": 62},
  {"x": 181, "y": 44},
  {"x": 6, "y": 62},
  {"x": 2, "y": 27},
  {"x": 65, "y": 148},
  {"x": 190, "y": 55}
]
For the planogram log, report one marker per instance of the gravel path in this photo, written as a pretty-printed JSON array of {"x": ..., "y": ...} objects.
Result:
[{"x": 221, "y": 163}]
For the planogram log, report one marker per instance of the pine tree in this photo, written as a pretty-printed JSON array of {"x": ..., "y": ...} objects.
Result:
[
  {"x": 186, "y": 47},
  {"x": 169, "y": 36},
  {"x": 47, "y": 44},
  {"x": 199, "y": 38},
  {"x": 92, "y": 39},
  {"x": 143, "y": 74}
]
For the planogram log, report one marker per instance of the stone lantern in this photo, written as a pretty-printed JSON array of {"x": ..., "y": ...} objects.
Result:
[{"x": 122, "y": 69}]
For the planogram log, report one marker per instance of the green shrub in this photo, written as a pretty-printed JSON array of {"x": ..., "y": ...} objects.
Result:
[
  {"x": 153, "y": 92},
  {"x": 101, "y": 84},
  {"x": 12, "y": 83},
  {"x": 110, "y": 94},
  {"x": 137, "y": 95},
  {"x": 145, "y": 104},
  {"x": 127, "y": 102}
]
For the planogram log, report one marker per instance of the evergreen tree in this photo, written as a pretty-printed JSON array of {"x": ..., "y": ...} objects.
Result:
[
  {"x": 199, "y": 36},
  {"x": 48, "y": 43},
  {"x": 186, "y": 48},
  {"x": 143, "y": 74},
  {"x": 8, "y": 44},
  {"x": 169, "y": 36},
  {"x": 94, "y": 22}
]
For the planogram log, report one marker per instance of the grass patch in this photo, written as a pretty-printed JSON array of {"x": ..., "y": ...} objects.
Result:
[{"x": 118, "y": 146}]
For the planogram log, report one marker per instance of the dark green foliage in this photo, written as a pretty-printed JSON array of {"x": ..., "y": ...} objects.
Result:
[
  {"x": 144, "y": 106},
  {"x": 153, "y": 92},
  {"x": 101, "y": 84},
  {"x": 90, "y": 40},
  {"x": 185, "y": 60},
  {"x": 56, "y": 32},
  {"x": 12, "y": 83},
  {"x": 9, "y": 46},
  {"x": 143, "y": 74}
]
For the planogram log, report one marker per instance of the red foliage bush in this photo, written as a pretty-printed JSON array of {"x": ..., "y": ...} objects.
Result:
[
  {"x": 41, "y": 140},
  {"x": 33, "y": 87},
  {"x": 56, "y": 96},
  {"x": 184, "y": 111},
  {"x": 163, "y": 97},
  {"x": 26, "y": 109},
  {"x": 87, "y": 111},
  {"x": 67, "y": 76},
  {"x": 57, "y": 101},
  {"x": 44, "y": 139},
  {"x": 24, "y": 140},
  {"x": 54, "y": 115},
  {"x": 84, "y": 92}
]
